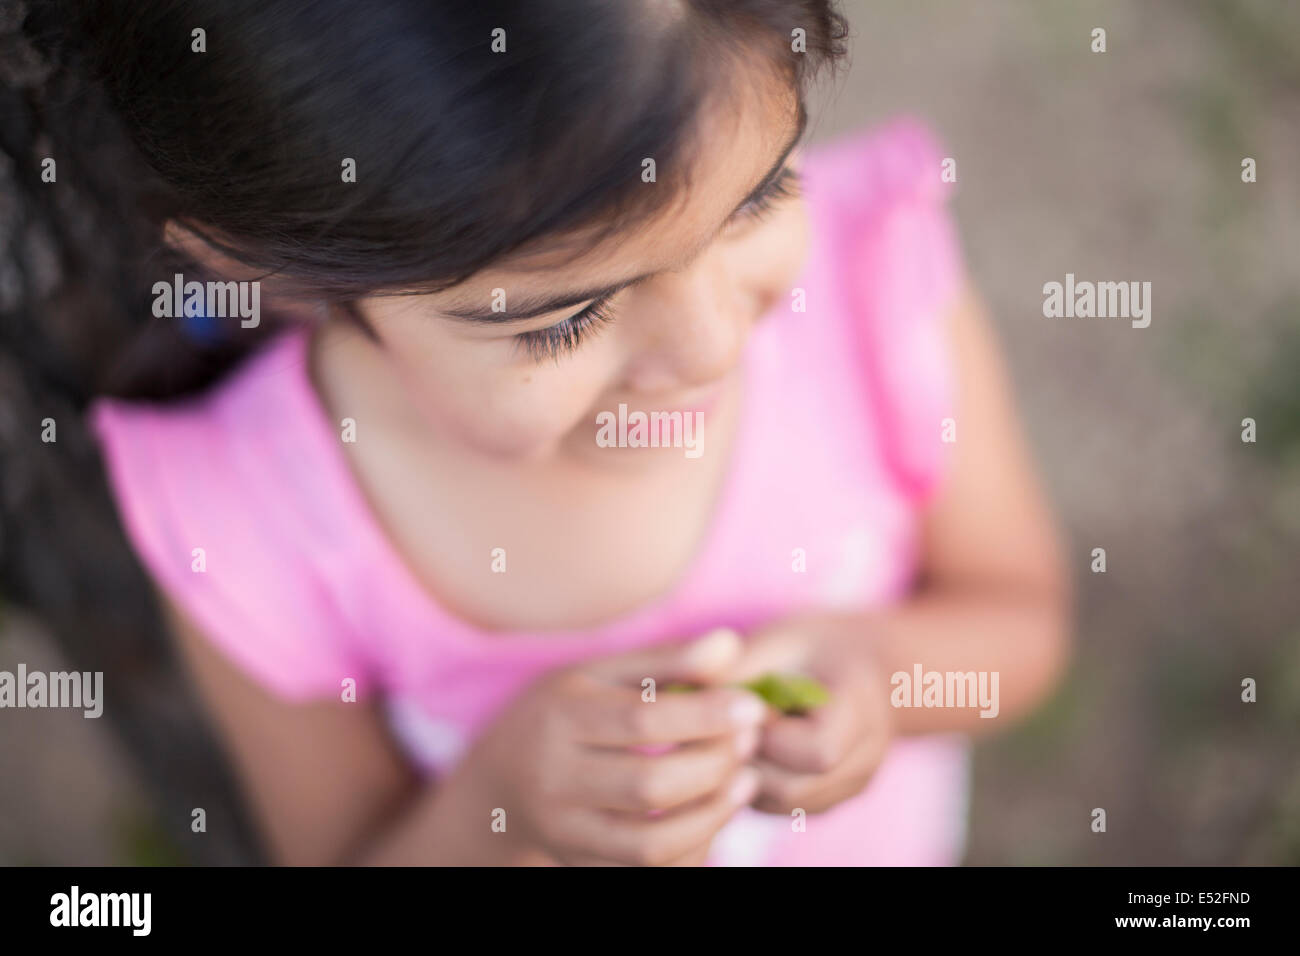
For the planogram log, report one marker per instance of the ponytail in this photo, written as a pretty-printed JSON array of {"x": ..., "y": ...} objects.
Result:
[{"x": 74, "y": 239}]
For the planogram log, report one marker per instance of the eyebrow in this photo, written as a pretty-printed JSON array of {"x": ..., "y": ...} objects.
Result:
[{"x": 531, "y": 308}]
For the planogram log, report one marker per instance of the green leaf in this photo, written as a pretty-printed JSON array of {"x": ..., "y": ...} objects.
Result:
[
  {"x": 679, "y": 688},
  {"x": 788, "y": 693}
]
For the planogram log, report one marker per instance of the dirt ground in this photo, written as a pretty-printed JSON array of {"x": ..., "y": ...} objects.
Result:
[
  {"x": 1118, "y": 165},
  {"x": 1127, "y": 165}
]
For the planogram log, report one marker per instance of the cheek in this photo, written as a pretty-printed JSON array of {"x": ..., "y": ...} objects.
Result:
[
  {"x": 772, "y": 259},
  {"x": 482, "y": 395},
  {"x": 789, "y": 249}
]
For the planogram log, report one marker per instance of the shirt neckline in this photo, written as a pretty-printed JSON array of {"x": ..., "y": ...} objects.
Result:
[{"x": 365, "y": 530}]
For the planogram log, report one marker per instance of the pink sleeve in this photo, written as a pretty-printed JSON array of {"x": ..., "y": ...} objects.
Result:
[
  {"x": 178, "y": 478},
  {"x": 905, "y": 270}
]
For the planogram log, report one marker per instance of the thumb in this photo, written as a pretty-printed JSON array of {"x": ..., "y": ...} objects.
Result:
[
  {"x": 704, "y": 660},
  {"x": 778, "y": 649}
]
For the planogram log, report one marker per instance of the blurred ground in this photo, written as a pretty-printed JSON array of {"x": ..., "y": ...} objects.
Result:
[
  {"x": 1126, "y": 165},
  {"x": 1114, "y": 166}
]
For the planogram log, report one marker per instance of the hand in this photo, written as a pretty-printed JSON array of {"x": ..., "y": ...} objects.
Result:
[
  {"x": 560, "y": 759},
  {"x": 828, "y": 755}
]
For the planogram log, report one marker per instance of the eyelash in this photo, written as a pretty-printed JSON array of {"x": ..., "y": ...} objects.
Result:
[
  {"x": 565, "y": 337},
  {"x": 786, "y": 185}
]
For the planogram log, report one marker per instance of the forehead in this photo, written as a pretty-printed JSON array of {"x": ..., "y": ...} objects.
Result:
[{"x": 738, "y": 137}]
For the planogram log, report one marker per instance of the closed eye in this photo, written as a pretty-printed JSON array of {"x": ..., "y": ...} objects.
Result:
[
  {"x": 565, "y": 336},
  {"x": 784, "y": 185}
]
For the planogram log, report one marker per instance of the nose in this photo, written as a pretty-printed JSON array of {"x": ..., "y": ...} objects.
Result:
[{"x": 693, "y": 329}]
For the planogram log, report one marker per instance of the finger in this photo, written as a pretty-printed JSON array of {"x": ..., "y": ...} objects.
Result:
[
  {"x": 617, "y": 717},
  {"x": 773, "y": 651},
  {"x": 816, "y": 742},
  {"x": 781, "y": 790},
  {"x": 698, "y": 661},
  {"x": 631, "y": 782},
  {"x": 658, "y": 841}
]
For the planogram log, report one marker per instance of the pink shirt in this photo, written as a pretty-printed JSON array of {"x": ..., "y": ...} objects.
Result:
[{"x": 839, "y": 445}]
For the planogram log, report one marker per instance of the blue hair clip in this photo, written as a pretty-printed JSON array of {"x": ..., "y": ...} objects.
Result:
[{"x": 202, "y": 329}]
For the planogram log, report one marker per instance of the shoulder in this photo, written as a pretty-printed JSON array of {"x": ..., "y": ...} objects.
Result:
[
  {"x": 206, "y": 458},
  {"x": 880, "y": 199},
  {"x": 883, "y": 226},
  {"x": 222, "y": 498},
  {"x": 898, "y": 161}
]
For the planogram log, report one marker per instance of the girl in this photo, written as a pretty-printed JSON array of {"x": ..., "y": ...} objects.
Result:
[{"x": 430, "y": 597}]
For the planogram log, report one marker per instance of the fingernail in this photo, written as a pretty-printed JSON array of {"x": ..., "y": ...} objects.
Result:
[
  {"x": 744, "y": 786},
  {"x": 714, "y": 649},
  {"x": 747, "y": 742},
  {"x": 748, "y": 711}
]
